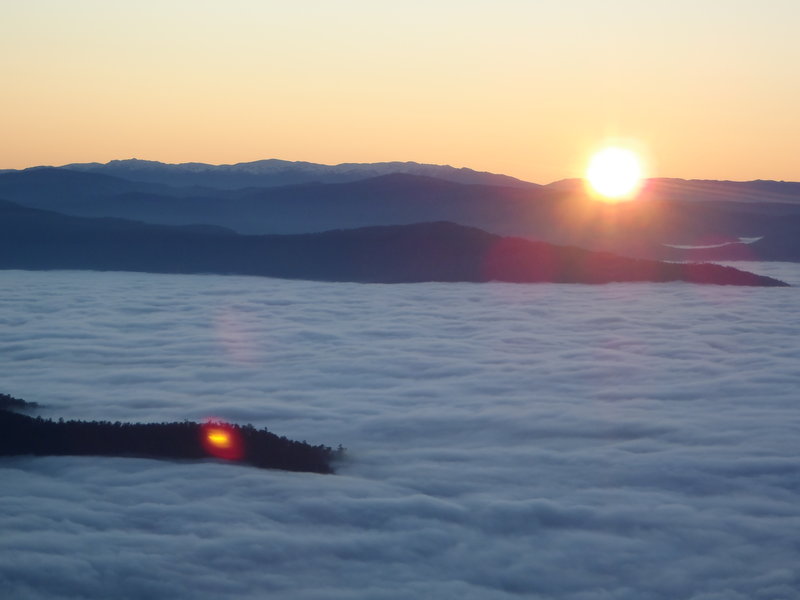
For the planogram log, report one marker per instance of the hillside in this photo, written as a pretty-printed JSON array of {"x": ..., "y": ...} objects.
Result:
[{"x": 38, "y": 239}]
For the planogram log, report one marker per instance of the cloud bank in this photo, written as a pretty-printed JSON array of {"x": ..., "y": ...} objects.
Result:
[{"x": 628, "y": 441}]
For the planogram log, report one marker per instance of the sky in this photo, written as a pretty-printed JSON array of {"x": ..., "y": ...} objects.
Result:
[
  {"x": 702, "y": 88},
  {"x": 622, "y": 441}
]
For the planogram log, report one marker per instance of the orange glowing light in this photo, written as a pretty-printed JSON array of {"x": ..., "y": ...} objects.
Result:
[
  {"x": 221, "y": 440},
  {"x": 218, "y": 438},
  {"x": 615, "y": 174}
]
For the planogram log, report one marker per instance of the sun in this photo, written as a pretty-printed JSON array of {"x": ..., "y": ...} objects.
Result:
[{"x": 615, "y": 174}]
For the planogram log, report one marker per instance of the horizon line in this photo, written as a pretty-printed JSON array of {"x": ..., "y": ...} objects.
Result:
[{"x": 386, "y": 162}]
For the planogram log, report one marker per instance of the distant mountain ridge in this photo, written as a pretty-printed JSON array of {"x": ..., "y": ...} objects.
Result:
[
  {"x": 35, "y": 239},
  {"x": 759, "y": 190},
  {"x": 673, "y": 220},
  {"x": 275, "y": 172}
]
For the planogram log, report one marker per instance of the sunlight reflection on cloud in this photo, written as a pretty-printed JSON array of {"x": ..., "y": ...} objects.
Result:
[{"x": 235, "y": 336}]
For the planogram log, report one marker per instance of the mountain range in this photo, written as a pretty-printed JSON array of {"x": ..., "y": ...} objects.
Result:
[
  {"x": 674, "y": 219},
  {"x": 36, "y": 239},
  {"x": 274, "y": 172}
]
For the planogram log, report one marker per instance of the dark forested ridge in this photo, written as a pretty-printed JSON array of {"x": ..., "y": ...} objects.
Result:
[
  {"x": 22, "y": 434},
  {"x": 447, "y": 252},
  {"x": 8, "y": 402}
]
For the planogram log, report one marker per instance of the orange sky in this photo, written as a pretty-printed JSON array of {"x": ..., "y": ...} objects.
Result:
[{"x": 706, "y": 89}]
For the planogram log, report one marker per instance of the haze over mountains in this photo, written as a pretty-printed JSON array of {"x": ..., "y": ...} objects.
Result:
[{"x": 673, "y": 220}]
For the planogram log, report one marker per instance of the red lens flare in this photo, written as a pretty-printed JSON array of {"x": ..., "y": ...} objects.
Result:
[{"x": 221, "y": 440}]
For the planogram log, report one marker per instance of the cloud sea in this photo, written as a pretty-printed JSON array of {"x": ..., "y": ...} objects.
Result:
[{"x": 623, "y": 441}]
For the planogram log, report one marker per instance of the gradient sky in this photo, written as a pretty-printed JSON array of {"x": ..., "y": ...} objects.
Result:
[{"x": 704, "y": 88}]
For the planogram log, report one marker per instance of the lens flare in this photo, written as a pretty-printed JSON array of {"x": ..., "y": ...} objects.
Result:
[{"x": 221, "y": 440}]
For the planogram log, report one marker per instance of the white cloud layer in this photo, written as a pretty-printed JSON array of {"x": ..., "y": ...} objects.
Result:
[{"x": 626, "y": 441}]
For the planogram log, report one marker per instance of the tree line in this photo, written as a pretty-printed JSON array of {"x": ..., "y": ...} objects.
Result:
[{"x": 24, "y": 434}]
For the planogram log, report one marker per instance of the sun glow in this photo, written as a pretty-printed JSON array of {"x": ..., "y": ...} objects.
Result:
[{"x": 614, "y": 174}]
